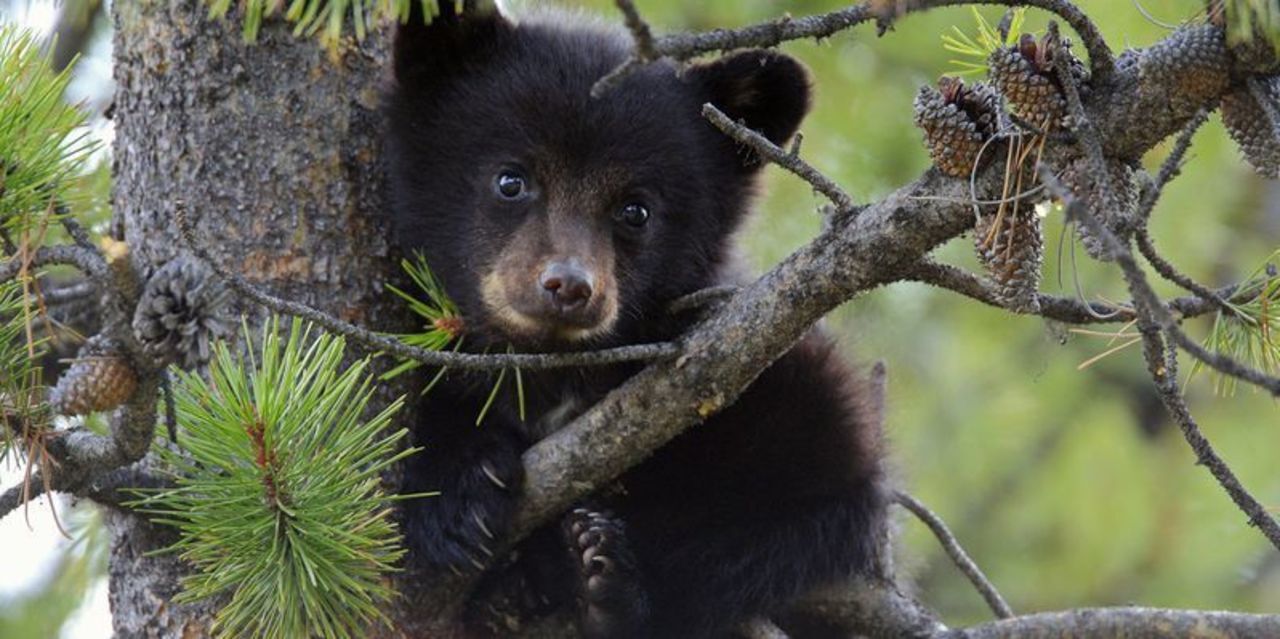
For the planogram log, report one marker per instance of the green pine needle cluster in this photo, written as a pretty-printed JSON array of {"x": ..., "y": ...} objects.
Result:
[
  {"x": 21, "y": 405},
  {"x": 977, "y": 49},
  {"x": 43, "y": 142},
  {"x": 444, "y": 326},
  {"x": 328, "y": 18},
  {"x": 1250, "y": 331},
  {"x": 1249, "y": 20},
  {"x": 278, "y": 496}
]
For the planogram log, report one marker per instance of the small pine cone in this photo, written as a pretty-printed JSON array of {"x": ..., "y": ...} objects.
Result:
[
  {"x": 1196, "y": 58},
  {"x": 1026, "y": 76},
  {"x": 1012, "y": 254},
  {"x": 100, "y": 379},
  {"x": 1251, "y": 126},
  {"x": 957, "y": 121},
  {"x": 181, "y": 312},
  {"x": 1116, "y": 213}
]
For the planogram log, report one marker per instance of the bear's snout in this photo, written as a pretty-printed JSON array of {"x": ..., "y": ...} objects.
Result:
[{"x": 566, "y": 286}]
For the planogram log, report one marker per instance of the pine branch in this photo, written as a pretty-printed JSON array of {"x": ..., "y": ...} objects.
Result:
[
  {"x": 784, "y": 159},
  {"x": 685, "y": 46},
  {"x": 83, "y": 259},
  {"x": 961, "y": 558},
  {"x": 1154, "y": 317},
  {"x": 374, "y": 341}
]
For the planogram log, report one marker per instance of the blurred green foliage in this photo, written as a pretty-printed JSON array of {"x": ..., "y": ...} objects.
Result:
[
  {"x": 1069, "y": 487},
  {"x": 45, "y": 609}
]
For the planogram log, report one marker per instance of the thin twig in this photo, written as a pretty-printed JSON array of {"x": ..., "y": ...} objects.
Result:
[
  {"x": 374, "y": 341},
  {"x": 68, "y": 293},
  {"x": 87, "y": 261},
  {"x": 772, "y": 152},
  {"x": 1172, "y": 166},
  {"x": 1169, "y": 272},
  {"x": 14, "y": 496},
  {"x": 684, "y": 46},
  {"x": 702, "y": 298},
  {"x": 1171, "y": 394},
  {"x": 961, "y": 558},
  {"x": 1152, "y": 318},
  {"x": 1060, "y": 309},
  {"x": 640, "y": 31},
  {"x": 73, "y": 228},
  {"x": 1223, "y": 363}
]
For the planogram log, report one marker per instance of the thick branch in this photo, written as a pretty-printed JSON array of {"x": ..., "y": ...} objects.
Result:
[{"x": 1132, "y": 623}]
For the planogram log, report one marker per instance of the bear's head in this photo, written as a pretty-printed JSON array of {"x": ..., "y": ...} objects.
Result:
[{"x": 555, "y": 219}]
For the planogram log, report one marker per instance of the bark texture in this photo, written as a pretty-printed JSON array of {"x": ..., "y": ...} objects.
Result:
[{"x": 274, "y": 147}]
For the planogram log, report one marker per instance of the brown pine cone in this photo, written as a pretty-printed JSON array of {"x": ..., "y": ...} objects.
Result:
[
  {"x": 1252, "y": 127},
  {"x": 957, "y": 121},
  {"x": 1116, "y": 213},
  {"x": 100, "y": 379},
  {"x": 1027, "y": 77},
  {"x": 1196, "y": 57},
  {"x": 1012, "y": 254}
]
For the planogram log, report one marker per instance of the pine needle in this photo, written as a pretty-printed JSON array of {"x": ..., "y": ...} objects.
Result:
[
  {"x": 327, "y": 19},
  {"x": 43, "y": 141},
  {"x": 443, "y": 325},
  {"x": 977, "y": 49},
  {"x": 1247, "y": 332},
  {"x": 1249, "y": 21},
  {"x": 278, "y": 497}
]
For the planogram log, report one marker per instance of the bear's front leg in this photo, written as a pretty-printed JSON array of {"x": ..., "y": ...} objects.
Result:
[
  {"x": 612, "y": 597},
  {"x": 477, "y": 472}
]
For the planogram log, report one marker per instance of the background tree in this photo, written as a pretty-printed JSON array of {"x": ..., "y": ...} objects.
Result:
[{"x": 272, "y": 148}]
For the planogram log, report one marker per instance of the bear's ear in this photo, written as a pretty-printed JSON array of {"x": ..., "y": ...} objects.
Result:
[
  {"x": 425, "y": 50},
  {"x": 766, "y": 90}
]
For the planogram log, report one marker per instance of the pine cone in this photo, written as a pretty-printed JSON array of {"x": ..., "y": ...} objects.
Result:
[
  {"x": 1012, "y": 254},
  {"x": 957, "y": 121},
  {"x": 1196, "y": 57},
  {"x": 100, "y": 379},
  {"x": 1027, "y": 78},
  {"x": 181, "y": 312},
  {"x": 1115, "y": 213},
  {"x": 1252, "y": 128}
]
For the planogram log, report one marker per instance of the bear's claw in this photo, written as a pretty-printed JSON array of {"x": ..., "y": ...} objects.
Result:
[{"x": 611, "y": 595}]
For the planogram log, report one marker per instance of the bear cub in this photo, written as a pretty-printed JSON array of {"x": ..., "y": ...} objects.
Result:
[{"x": 559, "y": 221}]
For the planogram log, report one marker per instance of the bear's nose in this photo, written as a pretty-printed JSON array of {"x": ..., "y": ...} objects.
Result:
[{"x": 568, "y": 284}]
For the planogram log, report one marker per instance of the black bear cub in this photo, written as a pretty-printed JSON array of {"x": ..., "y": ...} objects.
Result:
[{"x": 558, "y": 221}]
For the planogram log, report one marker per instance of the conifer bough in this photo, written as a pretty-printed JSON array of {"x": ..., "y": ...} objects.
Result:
[{"x": 277, "y": 488}]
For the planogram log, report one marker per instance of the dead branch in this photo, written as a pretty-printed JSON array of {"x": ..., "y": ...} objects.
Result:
[{"x": 957, "y": 553}]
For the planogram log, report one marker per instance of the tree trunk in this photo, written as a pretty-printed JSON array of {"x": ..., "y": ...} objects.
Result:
[{"x": 274, "y": 148}]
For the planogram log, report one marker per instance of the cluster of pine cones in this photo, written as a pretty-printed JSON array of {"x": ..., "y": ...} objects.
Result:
[
  {"x": 181, "y": 311},
  {"x": 962, "y": 125}
]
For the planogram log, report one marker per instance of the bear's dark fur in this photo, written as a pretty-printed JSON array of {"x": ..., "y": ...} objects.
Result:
[{"x": 558, "y": 221}]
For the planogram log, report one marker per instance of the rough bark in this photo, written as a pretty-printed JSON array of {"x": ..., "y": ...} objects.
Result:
[{"x": 274, "y": 147}]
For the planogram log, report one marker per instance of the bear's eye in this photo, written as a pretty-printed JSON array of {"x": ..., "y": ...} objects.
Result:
[
  {"x": 634, "y": 215},
  {"x": 509, "y": 184}
]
